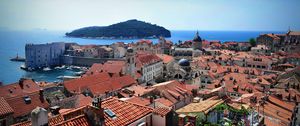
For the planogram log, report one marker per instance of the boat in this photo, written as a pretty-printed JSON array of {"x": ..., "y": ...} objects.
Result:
[
  {"x": 67, "y": 77},
  {"x": 46, "y": 69},
  {"x": 69, "y": 68},
  {"x": 60, "y": 67},
  {"x": 26, "y": 69},
  {"x": 23, "y": 67},
  {"x": 18, "y": 59},
  {"x": 79, "y": 73}
]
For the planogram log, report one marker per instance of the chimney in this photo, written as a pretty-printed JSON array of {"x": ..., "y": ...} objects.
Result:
[
  {"x": 96, "y": 113},
  {"x": 21, "y": 83},
  {"x": 99, "y": 103},
  {"x": 151, "y": 100},
  {"x": 54, "y": 110},
  {"x": 39, "y": 117},
  {"x": 41, "y": 93},
  {"x": 279, "y": 96}
]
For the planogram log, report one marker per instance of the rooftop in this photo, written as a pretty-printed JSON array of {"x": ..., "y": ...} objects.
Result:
[
  {"x": 5, "y": 108},
  {"x": 22, "y": 87},
  {"x": 202, "y": 106},
  {"x": 126, "y": 112},
  {"x": 22, "y": 107}
]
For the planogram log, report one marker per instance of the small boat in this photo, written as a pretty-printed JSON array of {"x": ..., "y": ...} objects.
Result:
[
  {"x": 67, "y": 77},
  {"x": 26, "y": 69},
  {"x": 76, "y": 67},
  {"x": 60, "y": 67},
  {"x": 68, "y": 68},
  {"x": 23, "y": 67},
  {"x": 18, "y": 59},
  {"x": 46, "y": 69},
  {"x": 79, "y": 73}
]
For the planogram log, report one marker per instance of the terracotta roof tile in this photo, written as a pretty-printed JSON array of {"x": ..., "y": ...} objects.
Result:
[
  {"x": 161, "y": 111},
  {"x": 145, "y": 59},
  {"x": 115, "y": 67},
  {"x": 80, "y": 120},
  {"x": 139, "y": 100},
  {"x": 77, "y": 85},
  {"x": 139, "y": 90},
  {"x": 25, "y": 123},
  {"x": 126, "y": 112},
  {"x": 83, "y": 100},
  {"x": 166, "y": 58},
  {"x": 5, "y": 108},
  {"x": 172, "y": 90},
  {"x": 16, "y": 89},
  {"x": 112, "y": 84},
  {"x": 21, "y": 108}
]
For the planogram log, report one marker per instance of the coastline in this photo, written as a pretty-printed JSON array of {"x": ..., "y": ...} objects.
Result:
[{"x": 14, "y": 41}]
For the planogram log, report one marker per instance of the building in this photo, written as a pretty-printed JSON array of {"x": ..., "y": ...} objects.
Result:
[
  {"x": 163, "y": 117},
  {"x": 119, "y": 49},
  {"x": 164, "y": 45},
  {"x": 259, "y": 62},
  {"x": 183, "y": 53},
  {"x": 199, "y": 111},
  {"x": 270, "y": 40},
  {"x": 150, "y": 66},
  {"x": 131, "y": 63},
  {"x": 289, "y": 42},
  {"x": 115, "y": 68},
  {"x": 260, "y": 50},
  {"x": 99, "y": 84},
  {"x": 197, "y": 42},
  {"x": 188, "y": 49},
  {"x": 43, "y": 55},
  {"x": 174, "y": 91},
  {"x": 144, "y": 46},
  {"x": 168, "y": 63},
  {"x": 17, "y": 100},
  {"x": 109, "y": 112},
  {"x": 6, "y": 113}
]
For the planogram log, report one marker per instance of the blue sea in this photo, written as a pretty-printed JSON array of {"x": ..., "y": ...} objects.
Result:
[{"x": 13, "y": 43}]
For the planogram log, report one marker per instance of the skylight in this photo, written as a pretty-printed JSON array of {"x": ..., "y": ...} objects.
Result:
[
  {"x": 110, "y": 113},
  {"x": 27, "y": 99}
]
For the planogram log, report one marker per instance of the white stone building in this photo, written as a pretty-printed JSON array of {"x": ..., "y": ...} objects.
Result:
[
  {"x": 43, "y": 55},
  {"x": 150, "y": 66}
]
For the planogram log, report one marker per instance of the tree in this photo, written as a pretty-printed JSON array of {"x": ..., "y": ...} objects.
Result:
[{"x": 252, "y": 42}]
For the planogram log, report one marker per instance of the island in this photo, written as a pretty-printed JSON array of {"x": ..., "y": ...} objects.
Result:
[{"x": 124, "y": 30}]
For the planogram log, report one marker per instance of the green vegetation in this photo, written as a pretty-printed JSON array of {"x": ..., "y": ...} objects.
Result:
[
  {"x": 252, "y": 42},
  {"x": 222, "y": 107},
  {"x": 128, "y": 29}
]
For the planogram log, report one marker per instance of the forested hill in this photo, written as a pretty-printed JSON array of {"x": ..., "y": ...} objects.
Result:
[{"x": 128, "y": 29}]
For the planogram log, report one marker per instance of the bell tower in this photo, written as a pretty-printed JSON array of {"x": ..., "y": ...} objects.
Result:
[
  {"x": 197, "y": 42},
  {"x": 130, "y": 62}
]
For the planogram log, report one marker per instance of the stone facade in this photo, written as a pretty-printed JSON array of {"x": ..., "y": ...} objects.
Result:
[{"x": 44, "y": 55}]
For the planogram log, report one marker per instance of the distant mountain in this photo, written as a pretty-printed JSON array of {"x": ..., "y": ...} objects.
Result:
[{"x": 128, "y": 29}]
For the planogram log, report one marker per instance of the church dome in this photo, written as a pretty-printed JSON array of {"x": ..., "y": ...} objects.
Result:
[{"x": 184, "y": 62}]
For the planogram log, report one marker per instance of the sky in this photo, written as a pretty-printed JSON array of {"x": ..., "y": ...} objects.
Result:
[{"x": 233, "y": 15}]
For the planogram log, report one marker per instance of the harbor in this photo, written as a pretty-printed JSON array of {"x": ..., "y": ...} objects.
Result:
[{"x": 55, "y": 74}]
